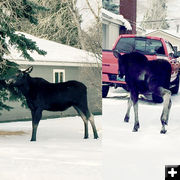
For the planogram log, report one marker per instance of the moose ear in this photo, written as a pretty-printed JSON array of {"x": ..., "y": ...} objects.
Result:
[
  {"x": 116, "y": 53},
  {"x": 29, "y": 69}
]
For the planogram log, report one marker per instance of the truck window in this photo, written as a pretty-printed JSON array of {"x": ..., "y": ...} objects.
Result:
[
  {"x": 170, "y": 49},
  {"x": 125, "y": 45},
  {"x": 140, "y": 44},
  {"x": 154, "y": 47}
]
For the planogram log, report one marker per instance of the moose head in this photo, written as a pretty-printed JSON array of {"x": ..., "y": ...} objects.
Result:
[
  {"x": 121, "y": 64},
  {"x": 19, "y": 77}
]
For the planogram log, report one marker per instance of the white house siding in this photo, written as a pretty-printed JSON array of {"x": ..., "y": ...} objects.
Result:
[
  {"x": 113, "y": 33},
  {"x": 110, "y": 34},
  {"x": 105, "y": 32}
]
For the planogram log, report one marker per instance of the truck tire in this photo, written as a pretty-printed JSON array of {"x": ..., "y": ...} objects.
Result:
[
  {"x": 105, "y": 90},
  {"x": 175, "y": 89}
]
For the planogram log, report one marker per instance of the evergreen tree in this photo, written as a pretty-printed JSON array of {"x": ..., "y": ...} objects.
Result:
[
  {"x": 12, "y": 12},
  {"x": 155, "y": 17},
  {"x": 110, "y": 6}
]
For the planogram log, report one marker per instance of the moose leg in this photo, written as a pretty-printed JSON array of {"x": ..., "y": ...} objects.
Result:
[
  {"x": 86, "y": 135},
  {"x": 134, "y": 98},
  {"x": 166, "y": 94},
  {"x": 126, "y": 119},
  {"x": 91, "y": 119},
  {"x": 36, "y": 116},
  {"x": 86, "y": 115}
]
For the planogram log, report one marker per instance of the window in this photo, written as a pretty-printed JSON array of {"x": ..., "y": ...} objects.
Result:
[
  {"x": 125, "y": 45},
  {"x": 58, "y": 75},
  {"x": 140, "y": 44},
  {"x": 170, "y": 49},
  {"x": 154, "y": 47}
]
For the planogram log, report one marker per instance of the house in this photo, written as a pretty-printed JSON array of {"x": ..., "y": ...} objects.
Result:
[
  {"x": 125, "y": 23},
  {"x": 170, "y": 35},
  {"x": 62, "y": 63},
  {"x": 111, "y": 26}
]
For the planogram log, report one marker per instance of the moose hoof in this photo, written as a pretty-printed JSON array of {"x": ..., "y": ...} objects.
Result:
[
  {"x": 126, "y": 119},
  {"x": 86, "y": 137},
  {"x": 135, "y": 130},
  {"x": 136, "y": 127},
  {"x": 163, "y": 122},
  {"x": 33, "y": 140},
  {"x": 163, "y": 131}
]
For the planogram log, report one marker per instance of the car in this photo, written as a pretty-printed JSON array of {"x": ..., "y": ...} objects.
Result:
[{"x": 152, "y": 47}]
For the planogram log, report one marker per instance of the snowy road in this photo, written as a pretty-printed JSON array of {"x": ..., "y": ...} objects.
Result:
[
  {"x": 60, "y": 152},
  {"x": 142, "y": 155}
]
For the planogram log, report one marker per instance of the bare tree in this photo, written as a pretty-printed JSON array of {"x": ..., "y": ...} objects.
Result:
[
  {"x": 97, "y": 15},
  {"x": 58, "y": 23},
  {"x": 93, "y": 42},
  {"x": 75, "y": 15},
  {"x": 155, "y": 17}
]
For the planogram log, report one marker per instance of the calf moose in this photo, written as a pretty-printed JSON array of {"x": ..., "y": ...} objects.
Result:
[
  {"x": 144, "y": 76},
  {"x": 42, "y": 95}
]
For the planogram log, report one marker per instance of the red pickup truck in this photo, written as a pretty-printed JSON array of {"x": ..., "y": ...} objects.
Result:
[{"x": 152, "y": 47}]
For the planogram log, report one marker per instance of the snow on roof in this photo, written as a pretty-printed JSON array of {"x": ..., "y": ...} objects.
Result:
[
  {"x": 117, "y": 17},
  {"x": 170, "y": 32},
  {"x": 56, "y": 52}
]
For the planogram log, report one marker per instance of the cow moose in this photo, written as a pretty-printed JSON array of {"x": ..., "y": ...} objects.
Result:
[
  {"x": 43, "y": 95},
  {"x": 144, "y": 76}
]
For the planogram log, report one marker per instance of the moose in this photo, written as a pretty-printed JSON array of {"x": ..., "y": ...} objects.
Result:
[
  {"x": 144, "y": 76},
  {"x": 42, "y": 95}
]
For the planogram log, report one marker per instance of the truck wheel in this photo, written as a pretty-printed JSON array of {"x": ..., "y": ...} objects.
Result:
[
  {"x": 105, "y": 90},
  {"x": 175, "y": 89},
  {"x": 157, "y": 99}
]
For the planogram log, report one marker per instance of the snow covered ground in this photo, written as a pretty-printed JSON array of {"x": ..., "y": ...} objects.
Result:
[
  {"x": 138, "y": 155},
  {"x": 60, "y": 152}
]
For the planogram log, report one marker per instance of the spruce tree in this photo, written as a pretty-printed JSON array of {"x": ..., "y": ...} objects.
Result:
[{"x": 10, "y": 13}]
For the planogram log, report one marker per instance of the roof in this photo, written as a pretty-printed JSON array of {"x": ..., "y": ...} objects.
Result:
[
  {"x": 56, "y": 54},
  {"x": 119, "y": 19},
  {"x": 171, "y": 33}
]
